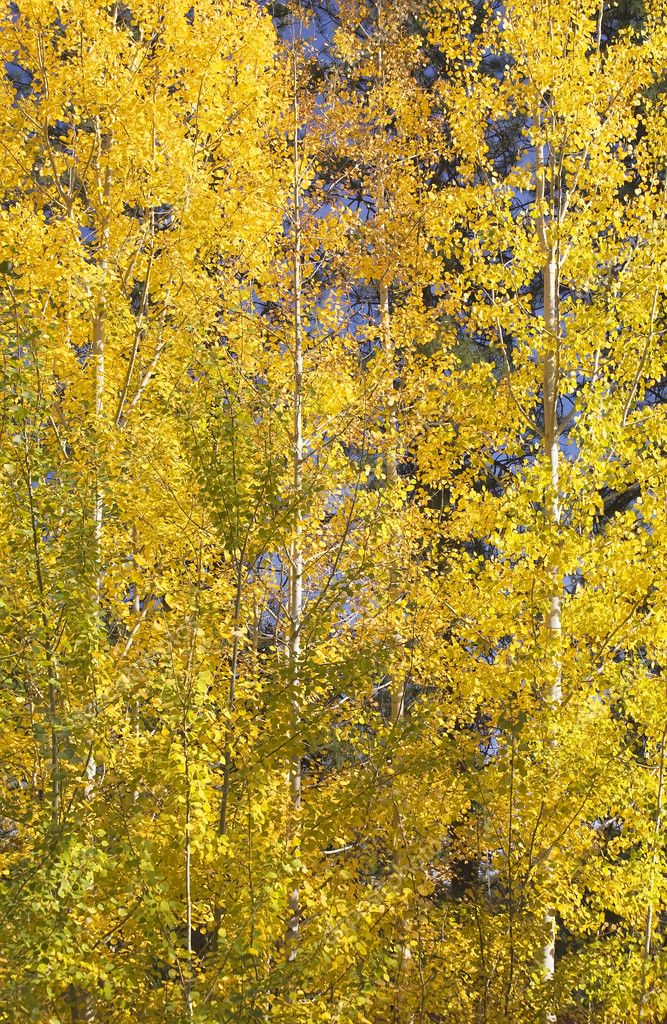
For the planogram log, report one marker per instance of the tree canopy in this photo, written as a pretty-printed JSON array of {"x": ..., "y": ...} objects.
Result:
[{"x": 333, "y": 557}]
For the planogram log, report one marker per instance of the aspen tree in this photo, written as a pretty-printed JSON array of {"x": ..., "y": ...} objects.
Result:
[
  {"x": 295, "y": 557},
  {"x": 542, "y": 247},
  {"x": 116, "y": 123},
  {"x": 332, "y": 619}
]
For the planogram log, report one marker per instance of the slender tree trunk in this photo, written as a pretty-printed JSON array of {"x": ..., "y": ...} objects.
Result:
[
  {"x": 82, "y": 1002},
  {"x": 391, "y": 474},
  {"x": 231, "y": 697},
  {"x": 98, "y": 355},
  {"x": 295, "y": 568},
  {"x": 136, "y": 609},
  {"x": 553, "y": 682},
  {"x": 98, "y": 370},
  {"x": 187, "y": 985},
  {"x": 227, "y": 749},
  {"x": 390, "y": 460},
  {"x": 48, "y": 649},
  {"x": 396, "y": 682},
  {"x": 385, "y": 330},
  {"x": 81, "y": 1006},
  {"x": 187, "y": 975}
]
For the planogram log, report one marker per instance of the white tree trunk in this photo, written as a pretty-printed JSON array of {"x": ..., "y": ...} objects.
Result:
[
  {"x": 551, "y": 370},
  {"x": 295, "y": 567}
]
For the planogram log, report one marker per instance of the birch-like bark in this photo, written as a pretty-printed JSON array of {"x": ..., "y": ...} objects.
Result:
[
  {"x": 550, "y": 384},
  {"x": 98, "y": 370},
  {"x": 552, "y": 446},
  {"x": 295, "y": 560},
  {"x": 98, "y": 355},
  {"x": 186, "y": 975},
  {"x": 82, "y": 1009},
  {"x": 397, "y": 687},
  {"x": 82, "y": 1002},
  {"x": 396, "y": 681},
  {"x": 187, "y": 982}
]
